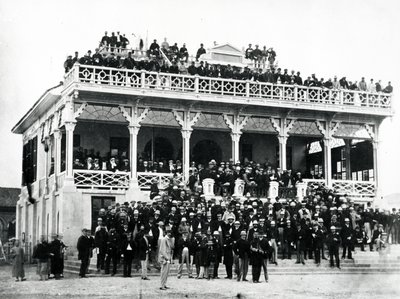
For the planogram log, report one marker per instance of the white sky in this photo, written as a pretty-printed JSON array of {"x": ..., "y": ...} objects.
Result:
[{"x": 358, "y": 38}]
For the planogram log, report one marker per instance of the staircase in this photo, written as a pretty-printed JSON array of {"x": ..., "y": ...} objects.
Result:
[{"x": 364, "y": 263}]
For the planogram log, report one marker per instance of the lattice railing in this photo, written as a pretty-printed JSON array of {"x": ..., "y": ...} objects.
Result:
[
  {"x": 101, "y": 179},
  {"x": 229, "y": 87},
  {"x": 145, "y": 179},
  {"x": 354, "y": 188},
  {"x": 315, "y": 183}
]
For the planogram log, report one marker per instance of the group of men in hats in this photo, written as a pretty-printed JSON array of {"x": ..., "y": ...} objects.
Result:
[{"x": 233, "y": 231}]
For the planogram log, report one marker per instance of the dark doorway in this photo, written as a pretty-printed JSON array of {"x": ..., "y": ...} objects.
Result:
[
  {"x": 206, "y": 150},
  {"x": 163, "y": 150},
  {"x": 119, "y": 146},
  {"x": 99, "y": 202},
  {"x": 247, "y": 152}
]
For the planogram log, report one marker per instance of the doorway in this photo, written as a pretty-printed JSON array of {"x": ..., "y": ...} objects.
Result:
[{"x": 99, "y": 202}]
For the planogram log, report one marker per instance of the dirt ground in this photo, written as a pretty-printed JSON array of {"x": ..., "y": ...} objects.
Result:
[{"x": 280, "y": 286}]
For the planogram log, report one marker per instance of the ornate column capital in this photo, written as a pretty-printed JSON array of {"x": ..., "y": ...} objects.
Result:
[
  {"x": 236, "y": 136},
  {"x": 186, "y": 133},
  {"x": 70, "y": 125},
  {"x": 283, "y": 139},
  {"x": 327, "y": 141},
  {"x": 57, "y": 134},
  {"x": 134, "y": 129}
]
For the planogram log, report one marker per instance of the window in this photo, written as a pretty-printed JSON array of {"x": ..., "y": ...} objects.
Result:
[{"x": 29, "y": 161}]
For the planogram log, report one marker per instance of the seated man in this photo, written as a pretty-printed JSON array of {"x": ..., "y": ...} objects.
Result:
[
  {"x": 154, "y": 49},
  {"x": 183, "y": 53}
]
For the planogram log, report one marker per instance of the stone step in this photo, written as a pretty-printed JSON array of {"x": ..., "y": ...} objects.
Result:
[{"x": 271, "y": 271}]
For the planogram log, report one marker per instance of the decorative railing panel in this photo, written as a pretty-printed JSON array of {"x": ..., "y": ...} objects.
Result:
[
  {"x": 229, "y": 87},
  {"x": 101, "y": 179},
  {"x": 287, "y": 192},
  {"x": 145, "y": 179},
  {"x": 315, "y": 183},
  {"x": 354, "y": 188}
]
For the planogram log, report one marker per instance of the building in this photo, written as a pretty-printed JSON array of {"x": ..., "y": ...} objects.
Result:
[
  {"x": 8, "y": 202},
  {"x": 332, "y": 135}
]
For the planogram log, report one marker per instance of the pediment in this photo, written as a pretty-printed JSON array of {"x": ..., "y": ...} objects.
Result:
[{"x": 227, "y": 48}]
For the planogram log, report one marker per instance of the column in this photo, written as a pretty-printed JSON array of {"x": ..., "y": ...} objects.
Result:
[
  {"x": 57, "y": 156},
  {"x": 186, "y": 153},
  {"x": 133, "y": 133},
  {"x": 348, "y": 158},
  {"x": 328, "y": 161},
  {"x": 375, "y": 148},
  {"x": 69, "y": 132},
  {"x": 18, "y": 223},
  {"x": 235, "y": 146},
  {"x": 282, "y": 152}
]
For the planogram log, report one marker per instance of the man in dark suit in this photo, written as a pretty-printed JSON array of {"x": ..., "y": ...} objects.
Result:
[
  {"x": 127, "y": 247},
  {"x": 242, "y": 249},
  {"x": 347, "y": 239},
  {"x": 317, "y": 236},
  {"x": 100, "y": 241},
  {"x": 144, "y": 248},
  {"x": 83, "y": 246},
  {"x": 200, "y": 51},
  {"x": 333, "y": 241},
  {"x": 300, "y": 243}
]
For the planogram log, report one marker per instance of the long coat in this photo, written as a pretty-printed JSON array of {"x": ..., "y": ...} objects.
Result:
[
  {"x": 84, "y": 248},
  {"x": 143, "y": 248},
  {"x": 57, "y": 260},
  {"x": 17, "y": 254}
]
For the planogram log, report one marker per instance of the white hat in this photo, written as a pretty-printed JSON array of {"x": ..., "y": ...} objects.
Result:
[{"x": 183, "y": 219}]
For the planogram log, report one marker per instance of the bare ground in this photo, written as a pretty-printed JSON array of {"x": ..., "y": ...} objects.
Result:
[{"x": 279, "y": 286}]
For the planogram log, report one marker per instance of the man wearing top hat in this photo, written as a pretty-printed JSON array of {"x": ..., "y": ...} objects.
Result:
[
  {"x": 333, "y": 241},
  {"x": 347, "y": 239}
]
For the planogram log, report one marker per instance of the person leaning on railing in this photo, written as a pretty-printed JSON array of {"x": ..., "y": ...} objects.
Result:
[{"x": 156, "y": 63}]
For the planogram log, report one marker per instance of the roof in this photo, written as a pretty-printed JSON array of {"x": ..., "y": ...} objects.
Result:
[
  {"x": 227, "y": 48},
  {"x": 9, "y": 196},
  {"x": 49, "y": 97}
]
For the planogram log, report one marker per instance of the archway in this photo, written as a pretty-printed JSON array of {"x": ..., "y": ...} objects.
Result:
[
  {"x": 205, "y": 150},
  {"x": 162, "y": 150}
]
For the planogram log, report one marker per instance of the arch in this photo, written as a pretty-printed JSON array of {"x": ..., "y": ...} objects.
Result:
[
  {"x": 206, "y": 150},
  {"x": 163, "y": 149}
]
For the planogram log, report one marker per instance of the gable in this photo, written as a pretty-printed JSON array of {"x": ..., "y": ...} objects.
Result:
[{"x": 227, "y": 48}]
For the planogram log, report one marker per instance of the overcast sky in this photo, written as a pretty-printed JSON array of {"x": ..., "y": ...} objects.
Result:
[{"x": 354, "y": 38}]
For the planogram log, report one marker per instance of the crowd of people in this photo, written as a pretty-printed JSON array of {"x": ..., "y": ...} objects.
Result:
[
  {"x": 256, "y": 176},
  {"x": 179, "y": 56},
  {"x": 234, "y": 232}
]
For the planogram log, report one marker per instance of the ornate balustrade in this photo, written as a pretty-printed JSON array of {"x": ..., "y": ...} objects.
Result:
[
  {"x": 145, "y": 179},
  {"x": 315, "y": 183},
  {"x": 228, "y": 87},
  {"x": 353, "y": 188},
  {"x": 98, "y": 179}
]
